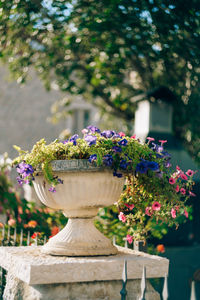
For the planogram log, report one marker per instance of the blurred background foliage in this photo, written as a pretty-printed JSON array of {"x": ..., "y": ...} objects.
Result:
[
  {"x": 110, "y": 51},
  {"x": 17, "y": 212}
]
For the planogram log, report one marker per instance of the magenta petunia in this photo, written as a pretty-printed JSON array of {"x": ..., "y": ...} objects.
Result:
[
  {"x": 156, "y": 206},
  {"x": 172, "y": 180},
  {"x": 122, "y": 217},
  {"x": 130, "y": 206},
  {"x": 129, "y": 238},
  {"x": 186, "y": 213},
  {"x": 133, "y": 136},
  {"x": 173, "y": 213},
  {"x": 183, "y": 176},
  {"x": 183, "y": 191},
  {"x": 150, "y": 139},
  {"x": 192, "y": 194},
  {"x": 162, "y": 141},
  {"x": 190, "y": 172},
  {"x": 148, "y": 211},
  {"x": 177, "y": 188},
  {"x": 121, "y": 133}
]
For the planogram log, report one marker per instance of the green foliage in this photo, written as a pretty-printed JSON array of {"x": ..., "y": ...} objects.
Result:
[
  {"x": 109, "y": 52},
  {"x": 8, "y": 198}
]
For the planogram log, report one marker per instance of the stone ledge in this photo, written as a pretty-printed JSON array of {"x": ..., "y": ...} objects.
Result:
[{"x": 33, "y": 267}]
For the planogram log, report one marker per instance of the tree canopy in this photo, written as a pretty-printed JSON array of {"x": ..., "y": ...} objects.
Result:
[{"x": 110, "y": 51}]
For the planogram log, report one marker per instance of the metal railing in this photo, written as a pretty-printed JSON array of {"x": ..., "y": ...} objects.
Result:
[{"x": 164, "y": 295}]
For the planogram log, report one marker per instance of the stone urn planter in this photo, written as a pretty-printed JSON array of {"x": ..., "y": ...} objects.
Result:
[{"x": 85, "y": 189}]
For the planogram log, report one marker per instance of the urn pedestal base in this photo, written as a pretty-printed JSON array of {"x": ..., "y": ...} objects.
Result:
[
  {"x": 85, "y": 189},
  {"x": 79, "y": 238}
]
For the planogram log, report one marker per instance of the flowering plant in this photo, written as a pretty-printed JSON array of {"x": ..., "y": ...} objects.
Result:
[{"x": 152, "y": 190}]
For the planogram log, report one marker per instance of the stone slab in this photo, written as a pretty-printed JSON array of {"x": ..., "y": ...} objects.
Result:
[
  {"x": 32, "y": 266},
  {"x": 16, "y": 289}
]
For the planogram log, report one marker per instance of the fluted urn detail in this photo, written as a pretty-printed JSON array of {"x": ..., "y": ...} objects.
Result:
[{"x": 85, "y": 189}]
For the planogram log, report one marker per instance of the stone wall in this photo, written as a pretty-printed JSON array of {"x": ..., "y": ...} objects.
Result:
[{"x": 23, "y": 113}]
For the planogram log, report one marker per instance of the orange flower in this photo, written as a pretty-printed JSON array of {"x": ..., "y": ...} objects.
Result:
[
  {"x": 35, "y": 234},
  {"x": 54, "y": 230},
  {"x": 47, "y": 210},
  {"x": 11, "y": 222},
  {"x": 160, "y": 248},
  {"x": 32, "y": 224},
  {"x": 20, "y": 210},
  {"x": 1, "y": 225}
]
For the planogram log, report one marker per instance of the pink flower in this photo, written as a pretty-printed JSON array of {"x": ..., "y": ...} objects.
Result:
[
  {"x": 133, "y": 136},
  {"x": 186, "y": 213},
  {"x": 11, "y": 222},
  {"x": 172, "y": 180},
  {"x": 190, "y": 172},
  {"x": 122, "y": 217},
  {"x": 183, "y": 176},
  {"x": 129, "y": 238},
  {"x": 183, "y": 191},
  {"x": 84, "y": 131},
  {"x": 121, "y": 133},
  {"x": 176, "y": 174},
  {"x": 130, "y": 206},
  {"x": 173, "y": 213},
  {"x": 177, "y": 188},
  {"x": 163, "y": 141},
  {"x": 192, "y": 194},
  {"x": 156, "y": 206},
  {"x": 178, "y": 168},
  {"x": 148, "y": 211},
  {"x": 150, "y": 139}
]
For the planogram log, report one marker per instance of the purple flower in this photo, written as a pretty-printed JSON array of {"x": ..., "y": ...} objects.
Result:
[
  {"x": 116, "y": 135},
  {"x": 123, "y": 164},
  {"x": 157, "y": 148},
  {"x": 108, "y": 160},
  {"x": 159, "y": 174},
  {"x": 90, "y": 139},
  {"x": 142, "y": 167},
  {"x": 123, "y": 142},
  {"x": 93, "y": 129},
  {"x": 25, "y": 169},
  {"x": 119, "y": 175},
  {"x": 107, "y": 133},
  {"x": 167, "y": 164},
  {"x": 165, "y": 154},
  {"x": 60, "y": 180},
  {"x": 145, "y": 165},
  {"x": 20, "y": 180},
  {"x": 117, "y": 149},
  {"x": 152, "y": 165},
  {"x": 92, "y": 158},
  {"x": 65, "y": 141},
  {"x": 52, "y": 189},
  {"x": 74, "y": 138}
]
